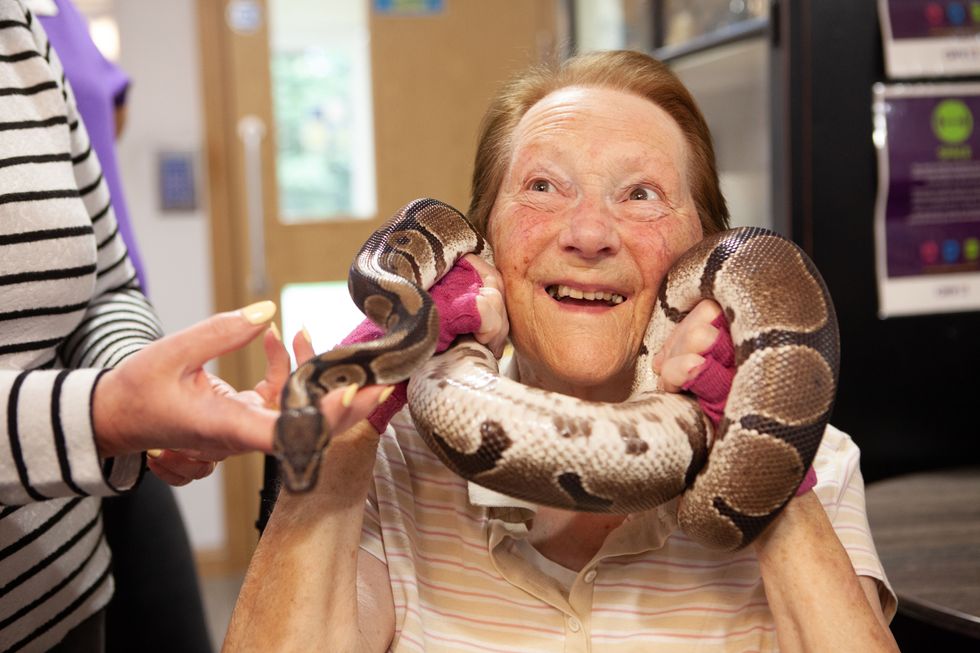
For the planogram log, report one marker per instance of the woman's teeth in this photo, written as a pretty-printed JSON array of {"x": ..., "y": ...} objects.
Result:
[{"x": 561, "y": 292}]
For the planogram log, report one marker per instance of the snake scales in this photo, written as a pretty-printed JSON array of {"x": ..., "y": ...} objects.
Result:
[{"x": 560, "y": 451}]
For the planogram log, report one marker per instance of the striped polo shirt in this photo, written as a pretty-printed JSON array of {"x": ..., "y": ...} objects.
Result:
[
  {"x": 69, "y": 306},
  {"x": 464, "y": 578}
]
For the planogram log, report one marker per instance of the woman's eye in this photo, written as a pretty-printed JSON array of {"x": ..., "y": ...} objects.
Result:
[
  {"x": 644, "y": 193},
  {"x": 541, "y": 186}
]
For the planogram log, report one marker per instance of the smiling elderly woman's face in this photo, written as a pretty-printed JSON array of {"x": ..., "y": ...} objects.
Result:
[{"x": 593, "y": 210}]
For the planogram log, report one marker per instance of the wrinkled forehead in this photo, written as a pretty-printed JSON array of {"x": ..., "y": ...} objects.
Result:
[{"x": 578, "y": 116}]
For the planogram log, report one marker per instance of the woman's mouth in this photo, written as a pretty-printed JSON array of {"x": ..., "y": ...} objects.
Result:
[{"x": 568, "y": 294}]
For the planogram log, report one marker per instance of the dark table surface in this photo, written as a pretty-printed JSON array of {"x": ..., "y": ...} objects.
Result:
[{"x": 927, "y": 530}]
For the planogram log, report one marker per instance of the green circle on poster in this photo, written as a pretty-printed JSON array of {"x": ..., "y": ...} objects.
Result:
[
  {"x": 971, "y": 249},
  {"x": 952, "y": 121}
]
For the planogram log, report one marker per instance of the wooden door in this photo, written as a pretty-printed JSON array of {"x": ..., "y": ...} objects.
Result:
[{"x": 433, "y": 67}]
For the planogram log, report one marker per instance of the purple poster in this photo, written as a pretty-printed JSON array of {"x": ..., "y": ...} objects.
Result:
[
  {"x": 930, "y": 38},
  {"x": 916, "y": 19},
  {"x": 927, "y": 226}
]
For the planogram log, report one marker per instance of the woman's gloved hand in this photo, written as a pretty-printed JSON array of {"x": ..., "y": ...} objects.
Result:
[
  {"x": 470, "y": 300},
  {"x": 699, "y": 357}
]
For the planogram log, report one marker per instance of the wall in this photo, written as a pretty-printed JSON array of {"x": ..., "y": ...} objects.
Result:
[
  {"x": 731, "y": 86},
  {"x": 159, "y": 51}
]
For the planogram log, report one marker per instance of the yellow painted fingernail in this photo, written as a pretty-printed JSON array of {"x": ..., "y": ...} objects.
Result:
[
  {"x": 154, "y": 453},
  {"x": 383, "y": 397},
  {"x": 259, "y": 312},
  {"x": 306, "y": 334},
  {"x": 275, "y": 331},
  {"x": 348, "y": 397}
]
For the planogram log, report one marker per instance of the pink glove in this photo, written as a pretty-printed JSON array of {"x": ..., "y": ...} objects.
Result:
[
  {"x": 809, "y": 480},
  {"x": 713, "y": 382},
  {"x": 455, "y": 298}
]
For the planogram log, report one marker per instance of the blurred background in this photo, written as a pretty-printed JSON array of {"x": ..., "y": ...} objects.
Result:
[{"x": 265, "y": 139}]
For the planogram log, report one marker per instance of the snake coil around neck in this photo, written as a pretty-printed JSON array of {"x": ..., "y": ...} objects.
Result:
[{"x": 560, "y": 451}]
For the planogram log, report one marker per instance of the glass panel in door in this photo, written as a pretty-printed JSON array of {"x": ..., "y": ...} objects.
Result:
[{"x": 320, "y": 65}]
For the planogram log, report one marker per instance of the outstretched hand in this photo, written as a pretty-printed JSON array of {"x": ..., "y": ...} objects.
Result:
[
  {"x": 342, "y": 409},
  {"x": 180, "y": 467},
  {"x": 162, "y": 400}
]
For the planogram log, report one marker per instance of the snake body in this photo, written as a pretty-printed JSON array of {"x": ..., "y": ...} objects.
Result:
[{"x": 560, "y": 451}]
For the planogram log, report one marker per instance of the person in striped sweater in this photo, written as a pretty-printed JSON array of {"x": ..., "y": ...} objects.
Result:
[
  {"x": 87, "y": 383},
  {"x": 591, "y": 178}
]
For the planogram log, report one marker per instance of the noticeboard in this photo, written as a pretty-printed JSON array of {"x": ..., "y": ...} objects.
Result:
[
  {"x": 930, "y": 38},
  {"x": 927, "y": 214}
]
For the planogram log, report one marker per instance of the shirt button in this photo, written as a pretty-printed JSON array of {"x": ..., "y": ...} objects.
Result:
[
  {"x": 590, "y": 576},
  {"x": 574, "y": 625}
]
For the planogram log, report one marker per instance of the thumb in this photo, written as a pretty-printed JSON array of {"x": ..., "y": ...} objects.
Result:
[{"x": 221, "y": 333}]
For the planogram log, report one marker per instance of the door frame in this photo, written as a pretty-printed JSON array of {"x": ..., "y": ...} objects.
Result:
[{"x": 229, "y": 267}]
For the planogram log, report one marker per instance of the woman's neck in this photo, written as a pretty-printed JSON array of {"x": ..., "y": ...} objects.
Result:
[
  {"x": 615, "y": 389},
  {"x": 570, "y": 539}
]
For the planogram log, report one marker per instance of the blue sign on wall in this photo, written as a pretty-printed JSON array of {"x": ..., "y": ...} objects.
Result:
[
  {"x": 176, "y": 181},
  {"x": 408, "y": 7}
]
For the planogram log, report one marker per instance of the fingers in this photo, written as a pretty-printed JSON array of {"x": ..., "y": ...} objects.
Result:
[
  {"x": 695, "y": 339},
  {"x": 227, "y": 426},
  {"x": 705, "y": 311},
  {"x": 684, "y": 342},
  {"x": 694, "y": 335},
  {"x": 176, "y": 468},
  {"x": 215, "y": 336},
  {"x": 343, "y": 408},
  {"x": 494, "y": 325},
  {"x": 277, "y": 369},
  {"x": 678, "y": 370},
  {"x": 276, "y": 357},
  {"x": 680, "y": 359},
  {"x": 161, "y": 397},
  {"x": 489, "y": 274},
  {"x": 303, "y": 346}
]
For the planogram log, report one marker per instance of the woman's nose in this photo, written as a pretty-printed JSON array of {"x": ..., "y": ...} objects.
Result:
[{"x": 590, "y": 231}]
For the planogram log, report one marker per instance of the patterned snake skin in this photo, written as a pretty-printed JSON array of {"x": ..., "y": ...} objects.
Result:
[{"x": 560, "y": 451}]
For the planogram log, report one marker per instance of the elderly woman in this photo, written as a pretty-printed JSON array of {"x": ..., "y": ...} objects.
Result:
[{"x": 591, "y": 180}]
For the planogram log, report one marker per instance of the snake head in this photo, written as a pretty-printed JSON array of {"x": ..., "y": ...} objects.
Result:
[{"x": 300, "y": 439}]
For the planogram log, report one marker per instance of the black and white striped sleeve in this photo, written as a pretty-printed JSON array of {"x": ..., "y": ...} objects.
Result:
[
  {"x": 70, "y": 295},
  {"x": 48, "y": 449},
  {"x": 119, "y": 320}
]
